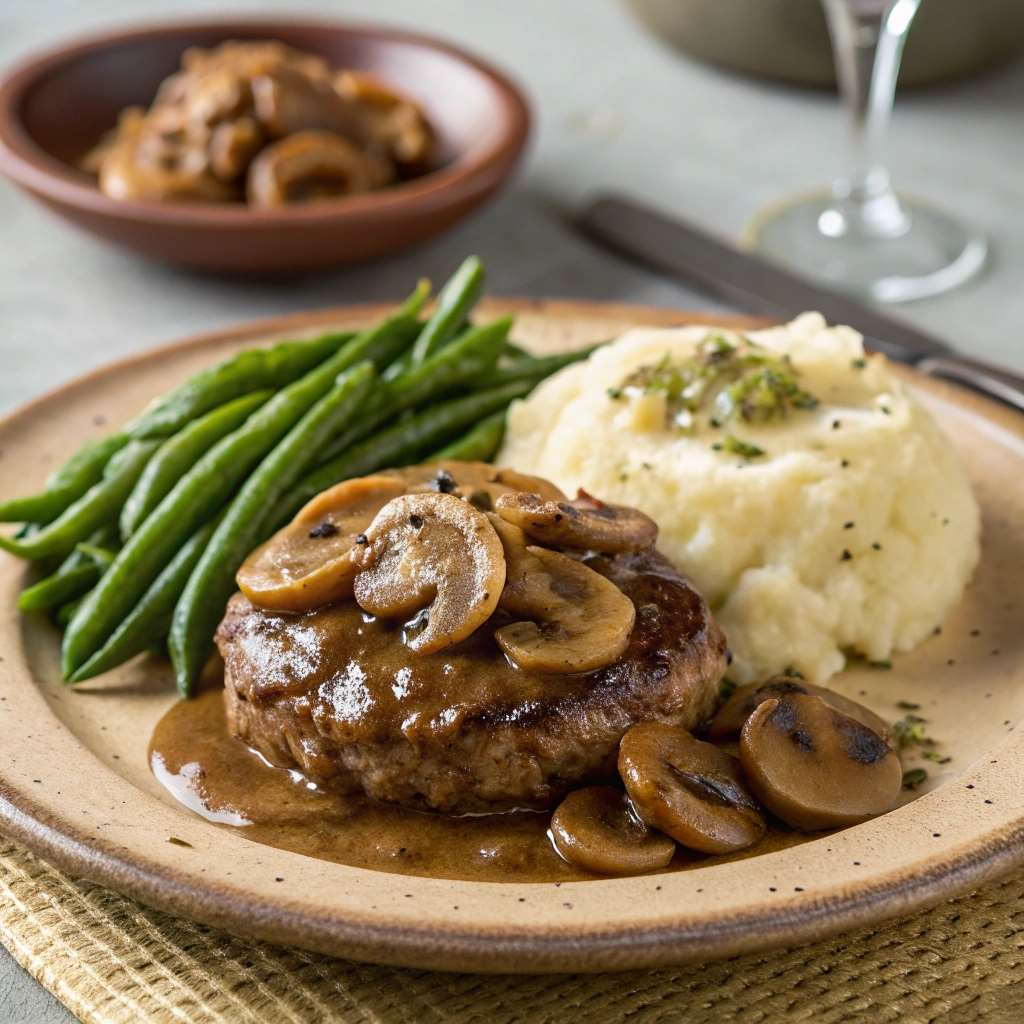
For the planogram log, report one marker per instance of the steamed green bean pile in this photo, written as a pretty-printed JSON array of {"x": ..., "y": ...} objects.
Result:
[{"x": 138, "y": 536}]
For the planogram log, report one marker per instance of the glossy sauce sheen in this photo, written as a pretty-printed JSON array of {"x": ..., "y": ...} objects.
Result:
[{"x": 216, "y": 776}]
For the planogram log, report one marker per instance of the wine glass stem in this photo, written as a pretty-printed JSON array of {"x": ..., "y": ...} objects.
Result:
[{"x": 867, "y": 40}]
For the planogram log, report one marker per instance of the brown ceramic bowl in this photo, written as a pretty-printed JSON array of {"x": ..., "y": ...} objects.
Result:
[{"x": 55, "y": 105}]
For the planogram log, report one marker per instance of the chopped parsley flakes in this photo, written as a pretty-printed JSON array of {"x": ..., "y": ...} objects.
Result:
[
  {"x": 729, "y": 380},
  {"x": 734, "y": 446}
]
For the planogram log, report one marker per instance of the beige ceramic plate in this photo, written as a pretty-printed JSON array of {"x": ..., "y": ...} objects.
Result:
[{"x": 75, "y": 786}]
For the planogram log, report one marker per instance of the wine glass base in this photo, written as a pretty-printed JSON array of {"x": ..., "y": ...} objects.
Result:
[{"x": 926, "y": 254}]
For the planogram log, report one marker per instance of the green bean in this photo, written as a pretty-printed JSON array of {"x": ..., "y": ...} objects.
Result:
[
  {"x": 100, "y": 504},
  {"x": 72, "y": 578},
  {"x": 209, "y": 484},
  {"x": 463, "y": 362},
  {"x": 454, "y": 303},
  {"x": 179, "y": 453},
  {"x": 67, "y": 484},
  {"x": 478, "y": 445},
  {"x": 213, "y": 580},
  {"x": 68, "y": 584},
  {"x": 253, "y": 369},
  {"x": 534, "y": 368},
  {"x": 516, "y": 351},
  {"x": 101, "y": 557},
  {"x": 58, "y": 588},
  {"x": 148, "y": 622},
  {"x": 404, "y": 363},
  {"x": 403, "y": 443},
  {"x": 67, "y": 612}
]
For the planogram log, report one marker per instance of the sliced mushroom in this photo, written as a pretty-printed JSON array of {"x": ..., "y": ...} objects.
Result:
[
  {"x": 308, "y": 564},
  {"x": 432, "y": 551},
  {"x": 576, "y": 619},
  {"x": 308, "y": 166},
  {"x": 816, "y": 768},
  {"x": 287, "y": 101},
  {"x": 597, "y": 830},
  {"x": 726, "y": 725},
  {"x": 394, "y": 119},
  {"x": 250, "y": 57},
  {"x": 480, "y": 483},
  {"x": 691, "y": 790},
  {"x": 216, "y": 95},
  {"x": 233, "y": 145},
  {"x": 583, "y": 523},
  {"x": 146, "y": 163}
]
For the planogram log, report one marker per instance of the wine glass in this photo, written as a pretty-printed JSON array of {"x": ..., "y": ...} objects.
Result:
[{"x": 860, "y": 236}]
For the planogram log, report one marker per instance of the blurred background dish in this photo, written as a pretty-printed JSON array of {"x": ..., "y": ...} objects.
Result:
[
  {"x": 788, "y": 40},
  {"x": 861, "y": 236},
  {"x": 55, "y": 106}
]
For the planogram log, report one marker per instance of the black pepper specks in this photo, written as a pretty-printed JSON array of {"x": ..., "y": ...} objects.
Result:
[
  {"x": 324, "y": 529},
  {"x": 845, "y": 556},
  {"x": 415, "y": 521},
  {"x": 444, "y": 482},
  {"x": 362, "y": 540}
]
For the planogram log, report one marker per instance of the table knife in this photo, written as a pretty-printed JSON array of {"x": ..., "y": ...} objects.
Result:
[{"x": 752, "y": 283}]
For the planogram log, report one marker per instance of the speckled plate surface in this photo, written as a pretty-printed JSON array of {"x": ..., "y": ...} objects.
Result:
[{"x": 75, "y": 786}]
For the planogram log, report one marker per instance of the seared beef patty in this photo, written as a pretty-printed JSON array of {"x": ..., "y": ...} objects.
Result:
[{"x": 337, "y": 695}]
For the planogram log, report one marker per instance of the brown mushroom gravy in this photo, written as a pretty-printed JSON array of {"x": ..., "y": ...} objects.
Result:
[
  {"x": 421, "y": 682},
  {"x": 218, "y": 777}
]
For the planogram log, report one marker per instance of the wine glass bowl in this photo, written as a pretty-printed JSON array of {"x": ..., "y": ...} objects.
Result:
[{"x": 861, "y": 236}]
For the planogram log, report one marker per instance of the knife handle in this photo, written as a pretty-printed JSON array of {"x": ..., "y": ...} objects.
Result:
[{"x": 990, "y": 381}]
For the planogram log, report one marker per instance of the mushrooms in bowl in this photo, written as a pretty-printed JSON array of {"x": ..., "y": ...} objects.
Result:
[{"x": 262, "y": 123}]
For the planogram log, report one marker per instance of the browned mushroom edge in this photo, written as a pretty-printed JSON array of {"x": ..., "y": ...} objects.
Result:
[
  {"x": 729, "y": 720},
  {"x": 584, "y": 523}
]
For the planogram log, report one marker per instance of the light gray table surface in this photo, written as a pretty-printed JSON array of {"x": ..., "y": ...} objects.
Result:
[{"x": 614, "y": 109}]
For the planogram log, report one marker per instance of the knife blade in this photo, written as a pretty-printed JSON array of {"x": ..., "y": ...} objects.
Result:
[{"x": 750, "y": 282}]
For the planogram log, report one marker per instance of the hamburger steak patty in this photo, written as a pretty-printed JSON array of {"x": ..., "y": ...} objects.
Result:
[{"x": 337, "y": 695}]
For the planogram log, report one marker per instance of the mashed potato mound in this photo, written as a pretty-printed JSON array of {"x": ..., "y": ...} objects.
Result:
[{"x": 855, "y": 530}]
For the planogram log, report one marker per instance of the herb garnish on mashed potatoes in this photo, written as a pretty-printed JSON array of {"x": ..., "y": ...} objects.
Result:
[{"x": 813, "y": 501}]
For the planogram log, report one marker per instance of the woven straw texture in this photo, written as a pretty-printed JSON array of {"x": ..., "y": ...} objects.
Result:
[{"x": 110, "y": 960}]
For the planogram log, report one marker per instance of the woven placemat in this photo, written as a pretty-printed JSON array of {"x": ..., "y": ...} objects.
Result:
[{"x": 111, "y": 960}]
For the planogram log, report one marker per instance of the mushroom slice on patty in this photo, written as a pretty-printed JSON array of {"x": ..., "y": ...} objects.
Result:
[
  {"x": 814, "y": 767},
  {"x": 691, "y": 790},
  {"x": 583, "y": 523},
  {"x": 576, "y": 619},
  {"x": 726, "y": 725},
  {"x": 433, "y": 552},
  {"x": 596, "y": 829},
  {"x": 308, "y": 563}
]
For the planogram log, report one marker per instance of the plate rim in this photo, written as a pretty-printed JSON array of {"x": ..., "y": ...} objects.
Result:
[{"x": 512, "y": 949}]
